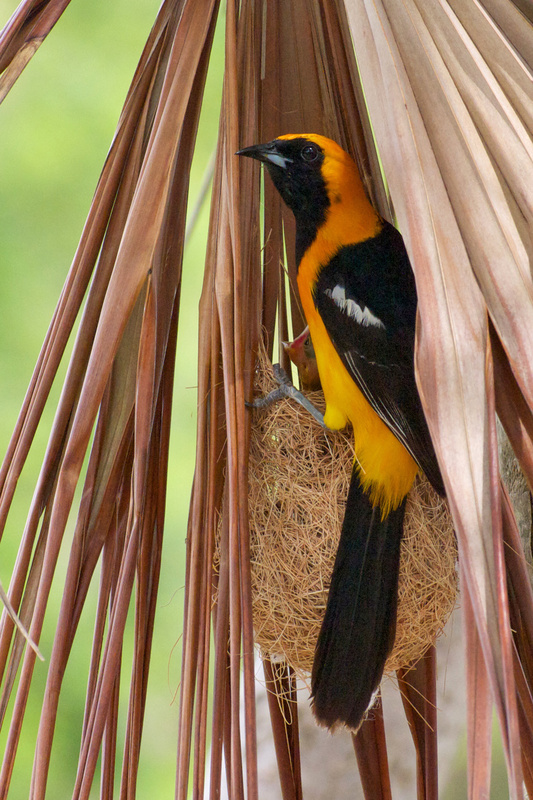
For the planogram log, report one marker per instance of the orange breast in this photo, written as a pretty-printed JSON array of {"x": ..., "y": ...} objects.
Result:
[{"x": 386, "y": 469}]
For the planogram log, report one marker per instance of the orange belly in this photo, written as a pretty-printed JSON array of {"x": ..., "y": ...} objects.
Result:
[{"x": 386, "y": 468}]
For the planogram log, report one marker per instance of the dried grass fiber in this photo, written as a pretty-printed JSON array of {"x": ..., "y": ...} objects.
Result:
[{"x": 298, "y": 483}]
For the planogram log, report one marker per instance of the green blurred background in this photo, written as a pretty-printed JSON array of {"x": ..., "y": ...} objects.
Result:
[{"x": 56, "y": 126}]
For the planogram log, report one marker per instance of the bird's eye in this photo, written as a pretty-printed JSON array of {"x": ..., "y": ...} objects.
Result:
[{"x": 310, "y": 152}]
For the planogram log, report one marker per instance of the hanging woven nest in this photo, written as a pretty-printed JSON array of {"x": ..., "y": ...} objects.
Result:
[{"x": 298, "y": 484}]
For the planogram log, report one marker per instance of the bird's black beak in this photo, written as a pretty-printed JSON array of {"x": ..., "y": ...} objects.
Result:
[{"x": 266, "y": 153}]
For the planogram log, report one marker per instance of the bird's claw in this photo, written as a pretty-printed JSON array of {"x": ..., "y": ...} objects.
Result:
[
  {"x": 272, "y": 397},
  {"x": 281, "y": 376},
  {"x": 286, "y": 389}
]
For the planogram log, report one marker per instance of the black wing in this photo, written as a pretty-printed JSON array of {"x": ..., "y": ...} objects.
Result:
[{"x": 366, "y": 296}]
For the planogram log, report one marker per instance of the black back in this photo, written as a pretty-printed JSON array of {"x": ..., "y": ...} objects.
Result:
[{"x": 377, "y": 282}]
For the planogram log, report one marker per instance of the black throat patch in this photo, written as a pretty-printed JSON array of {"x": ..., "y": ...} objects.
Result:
[{"x": 302, "y": 187}]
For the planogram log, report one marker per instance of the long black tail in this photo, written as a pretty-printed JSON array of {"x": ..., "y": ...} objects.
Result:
[{"x": 358, "y": 630}]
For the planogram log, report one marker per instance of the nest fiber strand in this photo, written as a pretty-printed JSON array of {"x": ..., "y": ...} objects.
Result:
[{"x": 299, "y": 479}]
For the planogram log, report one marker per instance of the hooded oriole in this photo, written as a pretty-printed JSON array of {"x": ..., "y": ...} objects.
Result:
[{"x": 359, "y": 298}]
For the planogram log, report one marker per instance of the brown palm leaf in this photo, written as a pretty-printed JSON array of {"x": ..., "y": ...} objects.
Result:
[{"x": 441, "y": 89}]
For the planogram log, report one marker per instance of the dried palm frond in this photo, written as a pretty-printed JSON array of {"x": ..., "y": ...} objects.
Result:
[
  {"x": 441, "y": 91},
  {"x": 20, "y": 38},
  {"x": 119, "y": 388}
]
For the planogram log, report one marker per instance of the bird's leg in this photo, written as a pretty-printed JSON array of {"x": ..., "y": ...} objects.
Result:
[{"x": 286, "y": 389}]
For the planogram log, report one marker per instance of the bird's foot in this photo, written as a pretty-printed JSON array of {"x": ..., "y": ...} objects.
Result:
[{"x": 286, "y": 389}]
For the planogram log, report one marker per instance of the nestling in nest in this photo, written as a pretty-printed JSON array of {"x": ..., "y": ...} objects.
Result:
[{"x": 298, "y": 484}]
